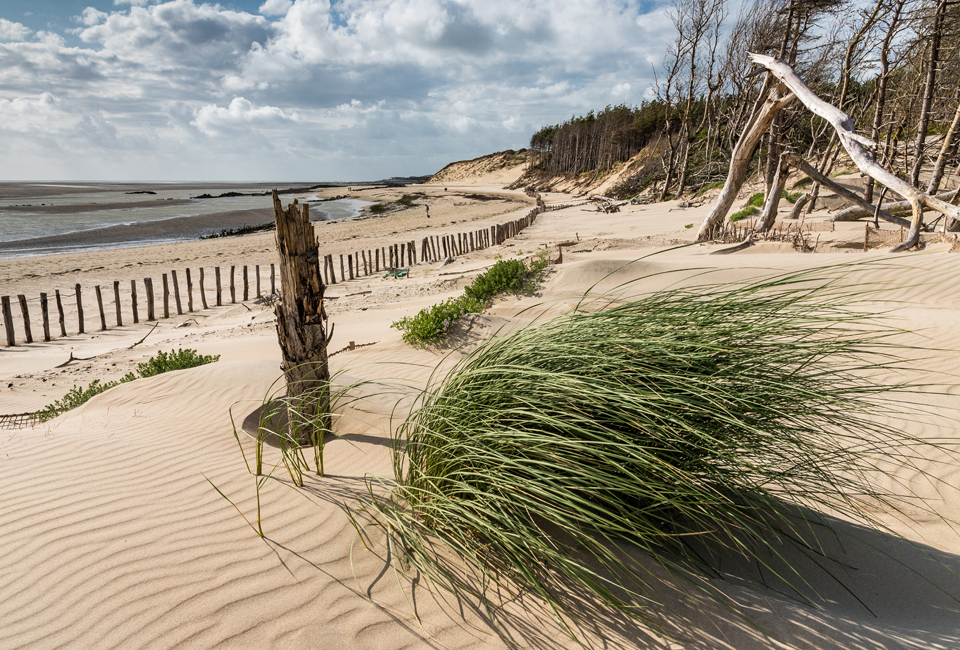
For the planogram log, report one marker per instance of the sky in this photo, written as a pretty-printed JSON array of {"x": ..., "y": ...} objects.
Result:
[{"x": 338, "y": 90}]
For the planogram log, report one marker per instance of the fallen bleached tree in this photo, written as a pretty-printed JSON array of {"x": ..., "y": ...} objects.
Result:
[{"x": 851, "y": 141}]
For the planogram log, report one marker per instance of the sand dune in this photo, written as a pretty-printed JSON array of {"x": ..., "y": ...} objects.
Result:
[{"x": 114, "y": 538}]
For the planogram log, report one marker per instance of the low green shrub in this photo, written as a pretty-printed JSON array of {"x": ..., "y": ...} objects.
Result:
[
  {"x": 167, "y": 361},
  {"x": 162, "y": 362},
  {"x": 506, "y": 276},
  {"x": 746, "y": 213},
  {"x": 74, "y": 398},
  {"x": 756, "y": 200},
  {"x": 378, "y": 208},
  {"x": 791, "y": 197},
  {"x": 803, "y": 182},
  {"x": 430, "y": 325}
]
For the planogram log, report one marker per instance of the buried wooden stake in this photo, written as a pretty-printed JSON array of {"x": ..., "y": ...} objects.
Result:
[
  {"x": 45, "y": 313},
  {"x": 257, "y": 273},
  {"x": 116, "y": 301},
  {"x": 350, "y": 264},
  {"x": 343, "y": 275},
  {"x": 273, "y": 284},
  {"x": 166, "y": 297},
  {"x": 103, "y": 317},
  {"x": 79, "y": 309},
  {"x": 176, "y": 293},
  {"x": 148, "y": 289},
  {"x": 8, "y": 320},
  {"x": 62, "y": 319},
  {"x": 189, "y": 292},
  {"x": 203, "y": 292},
  {"x": 133, "y": 300},
  {"x": 246, "y": 284},
  {"x": 233, "y": 285},
  {"x": 216, "y": 273},
  {"x": 26, "y": 317}
]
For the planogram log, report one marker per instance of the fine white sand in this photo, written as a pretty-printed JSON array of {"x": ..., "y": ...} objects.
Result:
[{"x": 113, "y": 536}]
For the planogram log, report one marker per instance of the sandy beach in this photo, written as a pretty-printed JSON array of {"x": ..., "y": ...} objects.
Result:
[{"x": 115, "y": 538}]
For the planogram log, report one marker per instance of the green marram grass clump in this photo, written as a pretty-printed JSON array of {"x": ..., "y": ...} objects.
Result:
[
  {"x": 756, "y": 200},
  {"x": 162, "y": 362},
  {"x": 688, "y": 422}
]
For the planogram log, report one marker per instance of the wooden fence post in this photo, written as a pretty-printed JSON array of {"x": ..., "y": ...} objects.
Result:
[
  {"x": 246, "y": 284},
  {"x": 116, "y": 301},
  {"x": 301, "y": 327},
  {"x": 189, "y": 292},
  {"x": 203, "y": 292},
  {"x": 79, "y": 309},
  {"x": 343, "y": 276},
  {"x": 148, "y": 289},
  {"x": 176, "y": 293},
  {"x": 133, "y": 301},
  {"x": 8, "y": 320},
  {"x": 103, "y": 317},
  {"x": 26, "y": 317},
  {"x": 63, "y": 320},
  {"x": 45, "y": 312},
  {"x": 166, "y": 297},
  {"x": 350, "y": 264},
  {"x": 233, "y": 285},
  {"x": 273, "y": 275},
  {"x": 219, "y": 289},
  {"x": 257, "y": 272}
]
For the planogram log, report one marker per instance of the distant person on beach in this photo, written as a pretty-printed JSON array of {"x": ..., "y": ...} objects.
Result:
[{"x": 428, "y": 211}]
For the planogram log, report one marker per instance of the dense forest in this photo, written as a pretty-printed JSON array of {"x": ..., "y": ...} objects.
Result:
[{"x": 893, "y": 66}]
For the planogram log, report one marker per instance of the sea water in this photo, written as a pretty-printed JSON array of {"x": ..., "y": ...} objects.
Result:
[{"x": 21, "y": 224}]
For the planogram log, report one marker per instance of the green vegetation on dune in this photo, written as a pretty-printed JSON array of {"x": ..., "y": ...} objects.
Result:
[
  {"x": 431, "y": 324},
  {"x": 162, "y": 362},
  {"x": 690, "y": 424},
  {"x": 746, "y": 213}
]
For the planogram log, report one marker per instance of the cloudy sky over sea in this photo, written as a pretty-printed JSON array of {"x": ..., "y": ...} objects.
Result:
[{"x": 305, "y": 89}]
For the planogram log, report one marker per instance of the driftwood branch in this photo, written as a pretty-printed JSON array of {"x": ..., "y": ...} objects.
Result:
[
  {"x": 856, "y": 212},
  {"x": 849, "y": 195},
  {"x": 854, "y": 145}
]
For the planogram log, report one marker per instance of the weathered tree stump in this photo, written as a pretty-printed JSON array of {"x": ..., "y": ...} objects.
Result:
[{"x": 301, "y": 321}]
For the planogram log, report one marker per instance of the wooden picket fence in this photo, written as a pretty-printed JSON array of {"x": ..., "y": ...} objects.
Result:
[{"x": 352, "y": 265}]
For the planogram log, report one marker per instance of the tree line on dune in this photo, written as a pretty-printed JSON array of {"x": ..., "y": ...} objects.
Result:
[{"x": 893, "y": 66}]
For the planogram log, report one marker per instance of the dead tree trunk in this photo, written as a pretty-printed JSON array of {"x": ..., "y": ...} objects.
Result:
[
  {"x": 928, "y": 91},
  {"x": 774, "y": 192},
  {"x": 945, "y": 148},
  {"x": 740, "y": 161},
  {"x": 854, "y": 144},
  {"x": 301, "y": 321}
]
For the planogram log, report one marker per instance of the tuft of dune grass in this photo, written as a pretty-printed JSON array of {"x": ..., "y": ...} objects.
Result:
[{"x": 721, "y": 417}]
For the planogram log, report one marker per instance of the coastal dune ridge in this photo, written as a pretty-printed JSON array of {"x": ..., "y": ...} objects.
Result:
[{"x": 115, "y": 537}]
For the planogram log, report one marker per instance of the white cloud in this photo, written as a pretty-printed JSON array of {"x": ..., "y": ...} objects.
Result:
[
  {"x": 11, "y": 31},
  {"x": 91, "y": 16},
  {"x": 275, "y": 7},
  {"x": 44, "y": 113},
  {"x": 214, "y": 120},
  {"x": 360, "y": 87}
]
